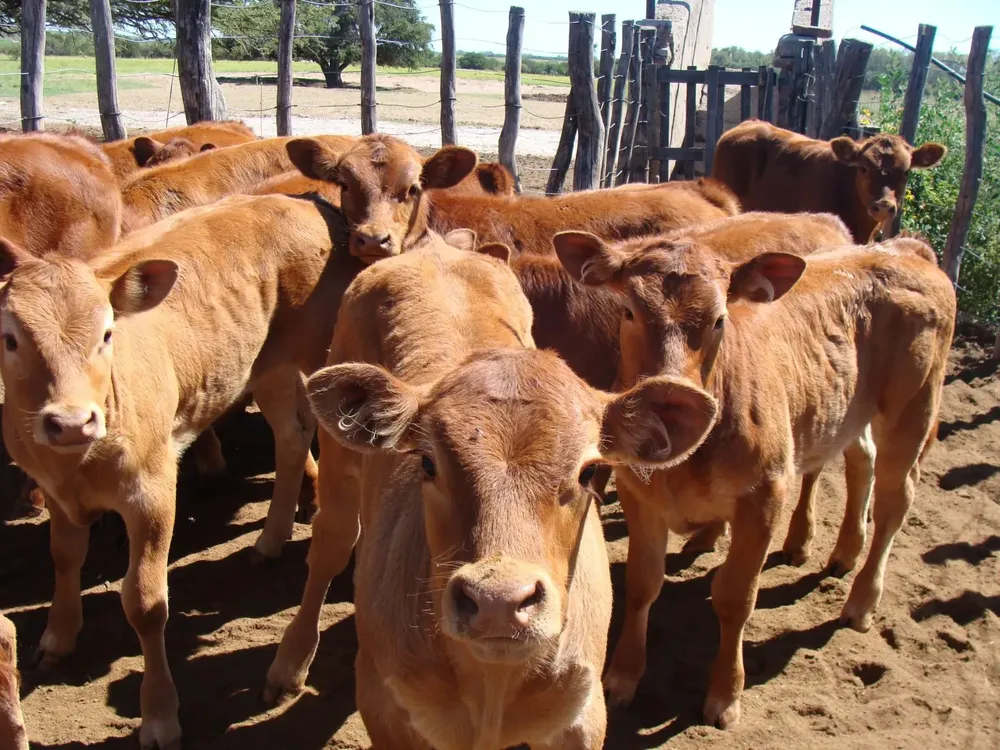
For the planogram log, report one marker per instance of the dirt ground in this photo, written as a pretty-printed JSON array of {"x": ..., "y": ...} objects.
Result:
[{"x": 927, "y": 674}]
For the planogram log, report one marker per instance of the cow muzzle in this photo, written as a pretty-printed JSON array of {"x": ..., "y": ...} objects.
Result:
[
  {"x": 504, "y": 610},
  {"x": 70, "y": 428},
  {"x": 882, "y": 210},
  {"x": 370, "y": 247}
]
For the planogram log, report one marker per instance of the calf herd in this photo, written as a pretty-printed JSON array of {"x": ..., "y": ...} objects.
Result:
[{"x": 477, "y": 363}]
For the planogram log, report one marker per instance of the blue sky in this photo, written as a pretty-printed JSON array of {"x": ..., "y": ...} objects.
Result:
[{"x": 753, "y": 24}]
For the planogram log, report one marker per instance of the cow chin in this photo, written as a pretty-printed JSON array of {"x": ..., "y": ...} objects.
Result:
[{"x": 503, "y": 651}]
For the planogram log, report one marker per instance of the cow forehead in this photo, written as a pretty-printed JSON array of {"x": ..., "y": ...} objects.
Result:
[
  {"x": 685, "y": 280},
  {"x": 384, "y": 163},
  {"x": 887, "y": 153},
  {"x": 59, "y": 299}
]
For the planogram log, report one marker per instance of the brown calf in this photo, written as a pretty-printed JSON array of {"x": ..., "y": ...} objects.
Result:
[
  {"x": 129, "y": 155},
  {"x": 859, "y": 336},
  {"x": 384, "y": 223},
  {"x": 771, "y": 169},
  {"x": 467, "y": 467},
  {"x": 13, "y": 735}
]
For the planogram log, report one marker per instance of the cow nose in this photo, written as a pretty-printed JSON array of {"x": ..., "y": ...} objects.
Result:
[
  {"x": 497, "y": 610},
  {"x": 884, "y": 208},
  {"x": 376, "y": 245},
  {"x": 71, "y": 427}
]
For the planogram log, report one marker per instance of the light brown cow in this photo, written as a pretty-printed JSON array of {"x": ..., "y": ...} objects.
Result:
[
  {"x": 488, "y": 629},
  {"x": 57, "y": 194},
  {"x": 802, "y": 355},
  {"x": 384, "y": 224},
  {"x": 13, "y": 735},
  {"x": 129, "y": 155},
  {"x": 772, "y": 169}
]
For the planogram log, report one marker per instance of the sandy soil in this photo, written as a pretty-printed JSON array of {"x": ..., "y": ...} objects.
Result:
[{"x": 927, "y": 673}]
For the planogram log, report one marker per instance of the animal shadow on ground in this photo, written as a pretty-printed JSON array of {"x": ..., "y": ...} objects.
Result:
[
  {"x": 963, "y": 609},
  {"x": 971, "y": 553},
  {"x": 967, "y": 476},
  {"x": 947, "y": 429}
]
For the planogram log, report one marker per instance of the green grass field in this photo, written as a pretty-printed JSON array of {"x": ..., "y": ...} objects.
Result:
[{"x": 75, "y": 75}]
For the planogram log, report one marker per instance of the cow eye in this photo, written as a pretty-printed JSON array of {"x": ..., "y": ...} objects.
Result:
[
  {"x": 427, "y": 464},
  {"x": 414, "y": 191},
  {"x": 9, "y": 342},
  {"x": 587, "y": 474},
  {"x": 629, "y": 315},
  {"x": 107, "y": 336},
  {"x": 720, "y": 323}
]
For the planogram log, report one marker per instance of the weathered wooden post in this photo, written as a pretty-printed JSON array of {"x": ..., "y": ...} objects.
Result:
[
  {"x": 631, "y": 113},
  {"x": 852, "y": 61},
  {"x": 587, "y": 169},
  {"x": 567, "y": 136},
  {"x": 639, "y": 163},
  {"x": 286, "y": 42},
  {"x": 449, "y": 132},
  {"x": 618, "y": 97},
  {"x": 512, "y": 93},
  {"x": 605, "y": 80},
  {"x": 201, "y": 93},
  {"x": 824, "y": 68},
  {"x": 975, "y": 139},
  {"x": 32, "y": 63},
  {"x": 366, "y": 27},
  {"x": 107, "y": 78},
  {"x": 914, "y": 97}
]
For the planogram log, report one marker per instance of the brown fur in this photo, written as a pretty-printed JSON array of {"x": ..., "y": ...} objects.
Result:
[
  {"x": 57, "y": 195},
  {"x": 771, "y": 169},
  {"x": 507, "y": 433},
  {"x": 13, "y": 735},
  {"x": 125, "y": 160},
  {"x": 861, "y": 338}
]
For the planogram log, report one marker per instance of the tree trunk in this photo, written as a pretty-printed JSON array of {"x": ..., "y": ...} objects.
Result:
[{"x": 334, "y": 78}]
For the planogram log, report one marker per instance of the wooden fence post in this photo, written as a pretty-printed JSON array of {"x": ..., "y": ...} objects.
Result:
[
  {"x": 512, "y": 93},
  {"x": 618, "y": 96},
  {"x": 286, "y": 42},
  {"x": 639, "y": 163},
  {"x": 605, "y": 80},
  {"x": 202, "y": 95},
  {"x": 366, "y": 25},
  {"x": 564, "y": 151},
  {"x": 449, "y": 132},
  {"x": 716, "y": 101},
  {"x": 852, "y": 61},
  {"x": 975, "y": 138},
  {"x": 587, "y": 169},
  {"x": 914, "y": 97},
  {"x": 824, "y": 67},
  {"x": 632, "y": 113},
  {"x": 32, "y": 63},
  {"x": 107, "y": 78}
]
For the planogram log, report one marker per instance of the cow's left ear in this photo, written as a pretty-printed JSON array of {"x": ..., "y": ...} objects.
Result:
[
  {"x": 463, "y": 239},
  {"x": 11, "y": 256},
  {"x": 846, "y": 150},
  {"x": 587, "y": 258},
  {"x": 766, "y": 277},
  {"x": 208, "y": 147},
  {"x": 927, "y": 155},
  {"x": 143, "y": 286},
  {"x": 448, "y": 167}
]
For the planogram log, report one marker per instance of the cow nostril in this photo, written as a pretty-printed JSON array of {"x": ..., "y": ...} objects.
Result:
[
  {"x": 52, "y": 426},
  {"x": 891, "y": 210},
  {"x": 536, "y": 597},
  {"x": 385, "y": 241},
  {"x": 92, "y": 421},
  {"x": 465, "y": 605}
]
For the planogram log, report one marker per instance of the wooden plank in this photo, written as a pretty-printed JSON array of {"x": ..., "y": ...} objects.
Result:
[
  {"x": 652, "y": 97},
  {"x": 583, "y": 90},
  {"x": 712, "y": 131},
  {"x": 824, "y": 69},
  {"x": 681, "y": 154},
  {"x": 670, "y": 75},
  {"x": 975, "y": 140},
  {"x": 621, "y": 77},
  {"x": 449, "y": 130},
  {"x": 639, "y": 163},
  {"x": 286, "y": 43},
  {"x": 366, "y": 27},
  {"x": 746, "y": 95},
  {"x": 852, "y": 61},
  {"x": 605, "y": 79},
  {"x": 663, "y": 127},
  {"x": 564, "y": 151},
  {"x": 813, "y": 18},
  {"x": 632, "y": 113},
  {"x": 107, "y": 75},
  {"x": 512, "y": 93},
  {"x": 691, "y": 113},
  {"x": 32, "y": 64}
]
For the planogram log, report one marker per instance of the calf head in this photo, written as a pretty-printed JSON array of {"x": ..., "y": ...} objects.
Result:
[
  {"x": 382, "y": 180},
  {"x": 503, "y": 448},
  {"x": 149, "y": 152},
  {"x": 676, "y": 295},
  {"x": 881, "y": 164},
  {"x": 57, "y": 320}
]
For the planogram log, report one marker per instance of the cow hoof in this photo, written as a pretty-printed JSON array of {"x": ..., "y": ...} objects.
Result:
[
  {"x": 160, "y": 734},
  {"x": 837, "y": 569},
  {"x": 620, "y": 691},
  {"x": 856, "y": 620},
  {"x": 50, "y": 652},
  {"x": 265, "y": 550},
  {"x": 722, "y": 713},
  {"x": 794, "y": 557}
]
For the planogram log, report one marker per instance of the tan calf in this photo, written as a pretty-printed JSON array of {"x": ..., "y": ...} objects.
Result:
[
  {"x": 13, "y": 735},
  {"x": 802, "y": 354},
  {"x": 467, "y": 468}
]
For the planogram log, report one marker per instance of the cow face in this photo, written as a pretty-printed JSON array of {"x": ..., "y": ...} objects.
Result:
[
  {"x": 676, "y": 296},
  {"x": 57, "y": 321},
  {"x": 503, "y": 449},
  {"x": 151, "y": 153},
  {"x": 881, "y": 164},
  {"x": 382, "y": 181}
]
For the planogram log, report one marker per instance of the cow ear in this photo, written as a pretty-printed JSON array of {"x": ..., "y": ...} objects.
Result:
[
  {"x": 11, "y": 256},
  {"x": 313, "y": 159},
  {"x": 765, "y": 278},
  {"x": 587, "y": 258},
  {"x": 448, "y": 167},
  {"x": 208, "y": 147},
  {"x": 463, "y": 239},
  {"x": 927, "y": 155},
  {"x": 494, "y": 179},
  {"x": 144, "y": 148},
  {"x": 143, "y": 286},
  {"x": 657, "y": 424},
  {"x": 497, "y": 250},
  {"x": 364, "y": 407},
  {"x": 846, "y": 150}
]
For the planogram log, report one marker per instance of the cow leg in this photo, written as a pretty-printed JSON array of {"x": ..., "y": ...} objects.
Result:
[
  {"x": 734, "y": 595},
  {"x": 802, "y": 527},
  {"x": 335, "y": 531},
  {"x": 644, "y": 573},
  {"x": 588, "y": 731},
  {"x": 705, "y": 538},
  {"x": 307, "y": 493},
  {"x": 282, "y": 400},
  {"x": 208, "y": 457},
  {"x": 150, "y": 523},
  {"x": 68, "y": 543},
  {"x": 859, "y": 471}
]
